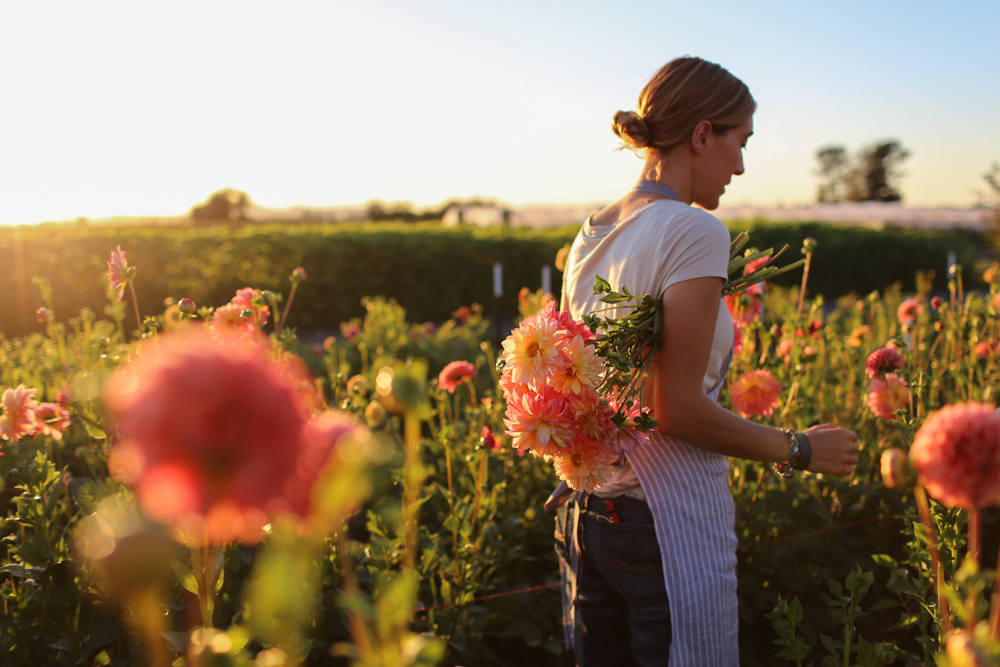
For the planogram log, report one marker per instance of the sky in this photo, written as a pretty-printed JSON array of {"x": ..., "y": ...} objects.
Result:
[{"x": 124, "y": 108}]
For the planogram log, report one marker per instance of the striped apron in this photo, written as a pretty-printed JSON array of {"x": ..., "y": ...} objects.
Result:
[{"x": 687, "y": 489}]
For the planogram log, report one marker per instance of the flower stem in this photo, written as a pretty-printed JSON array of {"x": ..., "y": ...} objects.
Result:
[
  {"x": 995, "y": 605},
  {"x": 805, "y": 279},
  {"x": 973, "y": 532},
  {"x": 925, "y": 515},
  {"x": 284, "y": 314},
  {"x": 135, "y": 304},
  {"x": 411, "y": 431}
]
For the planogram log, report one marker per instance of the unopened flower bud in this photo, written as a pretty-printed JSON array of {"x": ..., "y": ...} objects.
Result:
[
  {"x": 487, "y": 439},
  {"x": 809, "y": 244},
  {"x": 992, "y": 274},
  {"x": 936, "y": 302},
  {"x": 298, "y": 275},
  {"x": 962, "y": 651},
  {"x": 43, "y": 314},
  {"x": 939, "y": 326},
  {"x": 187, "y": 306},
  {"x": 375, "y": 414},
  {"x": 895, "y": 469}
]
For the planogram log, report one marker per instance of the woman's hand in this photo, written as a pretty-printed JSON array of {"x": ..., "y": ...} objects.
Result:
[{"x": 834, "y": 449}]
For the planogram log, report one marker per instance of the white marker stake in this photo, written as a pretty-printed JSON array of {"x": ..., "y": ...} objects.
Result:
[
  {"x": 546, "y": 279},
  {"x": 497, "y": 280}
]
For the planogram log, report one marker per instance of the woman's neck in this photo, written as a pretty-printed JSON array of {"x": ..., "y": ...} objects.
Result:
[{"x": 672, "y": 168}]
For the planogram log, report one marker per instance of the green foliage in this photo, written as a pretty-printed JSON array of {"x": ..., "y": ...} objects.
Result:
[{"x": 428, "y": 269}]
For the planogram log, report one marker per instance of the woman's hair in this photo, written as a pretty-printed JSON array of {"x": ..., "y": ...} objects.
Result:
[{"x": 683, "y": 93}]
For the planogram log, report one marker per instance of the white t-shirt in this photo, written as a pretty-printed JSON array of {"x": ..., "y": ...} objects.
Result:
[{"x": 656, "y": 246}]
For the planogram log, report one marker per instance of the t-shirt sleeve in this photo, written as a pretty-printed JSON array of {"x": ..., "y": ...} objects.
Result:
[{"x": 697, "y": 247}]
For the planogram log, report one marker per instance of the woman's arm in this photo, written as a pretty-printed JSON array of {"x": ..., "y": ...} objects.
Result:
[{"x": 690, "y": 311}]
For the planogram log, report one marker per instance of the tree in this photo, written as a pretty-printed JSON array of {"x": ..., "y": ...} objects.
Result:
[
  {"x": 833, "y": 164},
  {"x": 871, "y": 177},
  {"x": 227, "y": 205}
]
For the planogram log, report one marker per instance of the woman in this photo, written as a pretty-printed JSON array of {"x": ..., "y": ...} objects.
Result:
[{"x": 649, "y": 558}]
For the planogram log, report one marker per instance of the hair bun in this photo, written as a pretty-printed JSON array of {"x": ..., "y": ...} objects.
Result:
[{"x": 631, "y": 128}]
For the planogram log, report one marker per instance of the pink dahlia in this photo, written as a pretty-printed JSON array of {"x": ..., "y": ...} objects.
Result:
[
  {"x": 756, "y": 264},
  {"x": 883, "y": 360},
  {"x": 564, "y": 321},
  {"x": 540, "y": 422},
  {"x": 454, "y": 374},
  {"x": 957, "y": 453},
  {"x": 585, "y": 464},
  {"x": 230, "y": 318},
  {"x": 887, "y": 395},
  {"x": 747, "y": 306},
  {"x": 532, "y": 352},
  {"x": 908, "y": 311},
  {"x": 244, "y": 299},
  {"x": 784, "y": 349},
  {"x": 592, "y": 415},
  {"x": 462, "y": 314},
  {"x": 211, "y": 433},
  {"x": 581, "y": 367},
  {"x": 51, "y": 419},
  {"x": 350, "y": 330},
  {"x": 118, "y": 272},
  {"x": 18, "y": 418},
  {"x": 737, "y": 338},
  {"x": 487, "y": 439},
  {"x": 755, "y": 393}
]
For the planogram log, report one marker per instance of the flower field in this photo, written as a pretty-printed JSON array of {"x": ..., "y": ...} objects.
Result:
[{"x": 214, "y": 490}]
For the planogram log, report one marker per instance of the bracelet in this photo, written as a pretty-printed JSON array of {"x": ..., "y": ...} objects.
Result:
[
  {"x": 785, "y": 469},
  {"x": 805, "y": 451}
]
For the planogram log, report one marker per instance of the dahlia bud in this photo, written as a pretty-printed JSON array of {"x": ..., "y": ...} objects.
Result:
[
  {"x": 43, "y": 314},
  {"x": 936, "y": 302},
  {"x": 298, "y": 275},
  {"x": 963, "y": 652},
  {"x": 375, "y": 414},
  {"x": 187, "y": 306},
  {"x": 895, "y": 468},
  {"x": 487, "y": 439},
  {"x": 809, "y": 244}
]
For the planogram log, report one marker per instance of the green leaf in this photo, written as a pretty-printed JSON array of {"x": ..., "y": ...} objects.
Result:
[
  {"x": 884, "y": 560},
  {"x": 185, "y": 577}
]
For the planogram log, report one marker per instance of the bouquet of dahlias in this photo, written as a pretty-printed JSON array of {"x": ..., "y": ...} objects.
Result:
[{"x": 574, "y": 387}]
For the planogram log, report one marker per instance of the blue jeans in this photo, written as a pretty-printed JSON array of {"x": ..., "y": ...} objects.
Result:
[{"x": 621, "y": 596}]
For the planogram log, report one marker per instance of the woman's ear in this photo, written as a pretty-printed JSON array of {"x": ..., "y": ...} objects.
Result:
[{"x": 699, "y": 138}]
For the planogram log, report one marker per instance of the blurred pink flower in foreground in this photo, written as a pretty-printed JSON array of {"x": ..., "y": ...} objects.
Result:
[
  {"x": 118, "y": 273},
  {"x": 957, "y": 453},
  {"x": 52, "y": 419},
  {"x": 908, "y": 311},
  {"x": 737, "y": 338},
  {"x": 454, "y": 374},
  {"x": 883, "y": 360},
  {"x": 755, "y": 393},
  {"x": 887, "y": 395},
  {"x": 350, "y": 331},
  {"x": 213, "y": 434},
  {"x": 18, "y": 418}
]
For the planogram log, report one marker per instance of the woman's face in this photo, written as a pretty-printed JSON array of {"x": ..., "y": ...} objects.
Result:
[{"x": 715, "y": 165}]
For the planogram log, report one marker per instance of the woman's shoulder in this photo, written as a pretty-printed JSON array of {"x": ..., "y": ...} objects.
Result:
[{"x": 682, "y": 220}]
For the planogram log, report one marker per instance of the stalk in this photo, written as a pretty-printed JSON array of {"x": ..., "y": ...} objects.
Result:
[
  {"x": 411, "y": 430},
  {"x": 805, "y": 279},
  {"x": 284, "y": 313},
  {"x": 135, "y": 304},
  {"x": 925, "y": 515}
]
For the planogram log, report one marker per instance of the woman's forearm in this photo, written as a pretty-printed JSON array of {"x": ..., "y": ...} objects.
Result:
[{"x": 704, "y": 423}]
